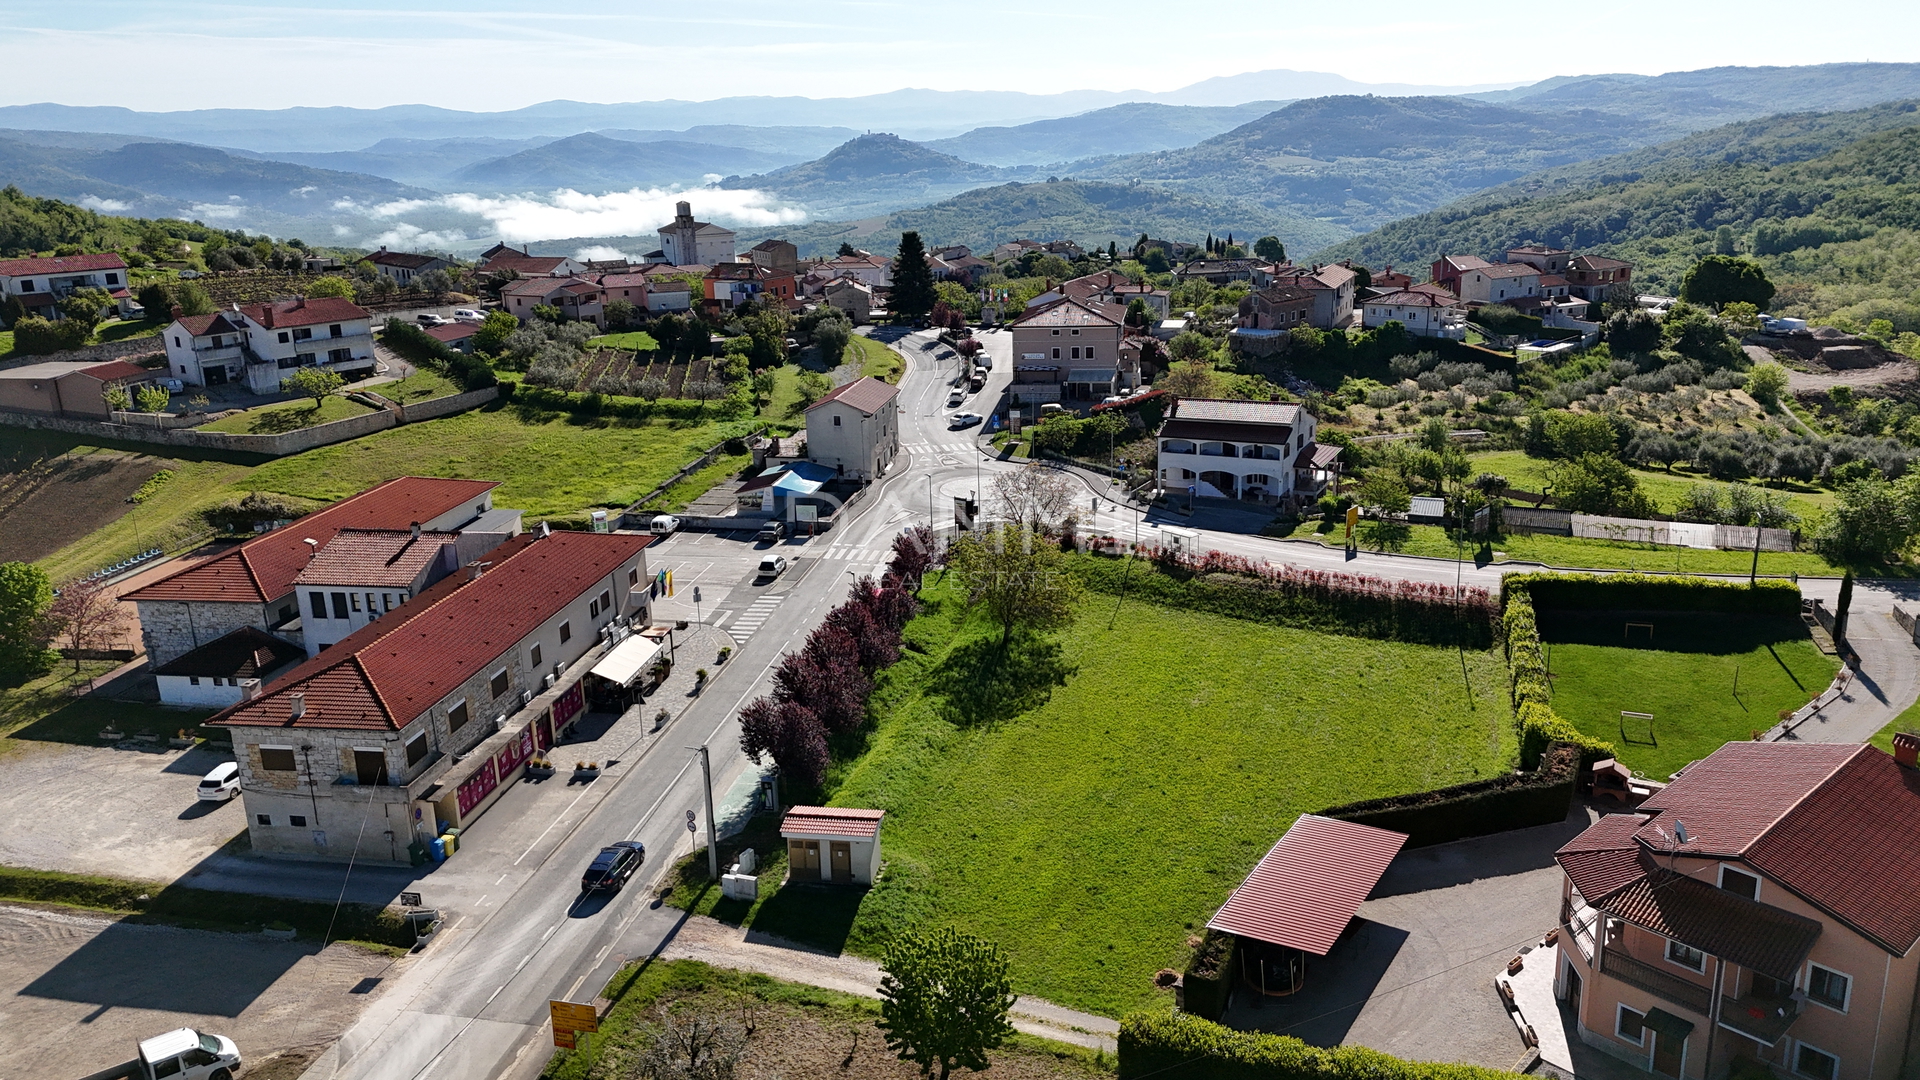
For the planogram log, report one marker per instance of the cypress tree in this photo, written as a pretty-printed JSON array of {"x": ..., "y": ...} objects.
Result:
[{"x": 912, "y": 279}]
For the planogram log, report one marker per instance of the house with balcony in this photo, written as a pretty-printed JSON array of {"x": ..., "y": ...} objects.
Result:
[
  {"x": 426, "y": 715},
  {"x": 1590, "y": 276},
  {"x": 41, "y": 283},
  {"x": 1256, "y": 451},
  {"x": 1759, "y": 912},
  {"x": 259, "y": 344},
  {"x": 730, "y": 285},
  {"x": 1070, "y": 334},
  {"x": 575, "y": 298},
  {"x": 1424, "y": 313}
]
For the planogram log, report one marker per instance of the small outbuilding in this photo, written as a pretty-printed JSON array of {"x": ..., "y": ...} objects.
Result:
[
  {"x": 833, "y": 844},
  {"x": 1300, "y": 897},
  {"x": 226, "y": 671}
]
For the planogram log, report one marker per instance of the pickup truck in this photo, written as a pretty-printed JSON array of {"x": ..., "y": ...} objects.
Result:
[{"x": 181, "y": 1054}]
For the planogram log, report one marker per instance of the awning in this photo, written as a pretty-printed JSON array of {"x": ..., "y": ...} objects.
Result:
[
  {"x": 627, "y": 660},
  {"x": 1304, "y": 892},
  {"x": 1664, "y": 1022}
]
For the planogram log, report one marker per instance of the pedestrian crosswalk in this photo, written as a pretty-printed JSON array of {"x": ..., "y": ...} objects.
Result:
[
  {"x": 754, "y": 617},
  {"x": 966, "y": 447}
]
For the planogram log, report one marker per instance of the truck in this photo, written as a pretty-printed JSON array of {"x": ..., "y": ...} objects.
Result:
[{"x": 180, "y": 1054}]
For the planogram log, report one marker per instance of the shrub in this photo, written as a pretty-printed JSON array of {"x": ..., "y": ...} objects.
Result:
[
  {"x": 1654, "y": 592},
  {"x": 36, "y": 336},
  {"x": 1478, "y": 807},
  {"x": 471, "y": 372},
  {"x": 1195, "y": 1049},
  {"x": 1208, "y": 980}
]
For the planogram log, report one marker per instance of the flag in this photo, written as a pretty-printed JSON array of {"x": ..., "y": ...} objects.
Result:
[{"x": 669, "y": 574}]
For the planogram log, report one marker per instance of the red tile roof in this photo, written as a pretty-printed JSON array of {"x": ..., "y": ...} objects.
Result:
[
  {"x": 1715, "y": 921},
  {"x": 374, "y": 558},
  {"x": 264, "y": 568},
  {"x": 387, "y": 674},
  {"x": 451, "y": 332},
  {"x": 831, "y": 821},
  {"x": 310, "y": 311},
  {"x": 120, "y": 369},
  {"x": 1731, "y": 797},
  {"x": 1604, "y": 859},
  {"x": 207, "y": 325},
  {"x": 405, "y": 260},
  {"x": 1303, "y": 893},
  {"x": 247, "y": 653},
  {"x": 61, "y": 264},
  {"x": 1069, "y": 311},
  {"x": 523, "y": 264},
  {"x": 866, "y": 393},
  {"x": 624, "y": 281}
]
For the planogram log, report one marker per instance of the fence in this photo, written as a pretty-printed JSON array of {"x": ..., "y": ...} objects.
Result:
[{"x": 106, "y": 350}]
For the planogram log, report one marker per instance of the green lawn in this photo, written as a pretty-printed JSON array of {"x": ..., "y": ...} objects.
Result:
[
  {"x": 45, "y": 710},
  {"x": 1089, "y": 825},
  {"x": 1572, "y": 552},
  {"x": 1906, "y": 721},
  {"x": 874, "y": 358},
  {"x": 288, "y": 416},
  {"x": 6, "y": 344},
  {"x": 1666, "y": 489},
  {"x": 632, "y": 339},
  {"x": 419, "y": 386},
  {"x": 121, "y": 331},
  {"x": 1684, "y": 676}
]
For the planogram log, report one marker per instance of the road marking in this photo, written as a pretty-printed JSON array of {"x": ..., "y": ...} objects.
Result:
[
  {"x": 556, "y": 820},
  {"x": 754, "y": 617},
  {"x": 500, "y": 879}
]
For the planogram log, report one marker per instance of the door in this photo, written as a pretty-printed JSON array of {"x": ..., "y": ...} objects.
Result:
[
  {"x": 1668, "y": 1054},
  {"x": 1573, "y": 990},
  {"x": 842, "y": 855},
  {"x": 803, "y": 859},
  {"x": 370, "y": 766},
  {"x": 215, "y": 376}
]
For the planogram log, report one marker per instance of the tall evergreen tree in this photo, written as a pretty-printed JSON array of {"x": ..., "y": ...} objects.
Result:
[{"x": 912, "y": 279}]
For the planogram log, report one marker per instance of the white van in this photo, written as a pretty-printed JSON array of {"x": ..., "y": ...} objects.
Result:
[{"x": 664, "y": 525}]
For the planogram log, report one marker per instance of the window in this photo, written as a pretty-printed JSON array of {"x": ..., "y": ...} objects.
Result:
[
  {"x": 176, "y": 341},
  {"x": 836, "y": 421},
  {"x": 287, "y": 363},
  {"x": 566, "y": 632},
  {"x": 372, "y": 608},
  {"x": 263, "y": 819},
  {"x": 606, "y": 600},
  {"x": 339, "y": 356},
  {"x": 284, "y": 338},
  {"x": 1686, "y": 956},
  {"x": 498, "y": 684},
  {"x": 1739, "y": 881},
  {"x": 633, "y": 575},
  {"x": 457, "y": 717},
  {"x": 304, "y": 333},
  {"x": 354, "y": 599},
  {"x": 593, "y": 609},
  {"x": 1828, "y": 987},
  {"x": 1630, "y": 1025},
  {"x": 26, "y": 286},
  {"x": 1807, "y": 1061},
  {"x": 334, "y": 331},
  {"x": 164, "y": 1069},
  {"x": 1076, "y": 353},
  {"x": 386, "y": 601},
  {"x": 339, "y": 605},
  {"x": 533, "y": 655},
  {"x": 1076, "y": 331},
  {"x": 1056, "y": 332},
  {"x": 113, "y": 279},
  {"x": 1056, "y": 352},
  {"x": 416, "y": 748},
  {"x": 276, "y": 759},
  {"x": 297, "y": 821},
  {"x": 305, "y": 358}
]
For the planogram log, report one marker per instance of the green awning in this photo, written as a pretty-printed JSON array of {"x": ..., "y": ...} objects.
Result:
[{"x": 1668, "y": 1024}]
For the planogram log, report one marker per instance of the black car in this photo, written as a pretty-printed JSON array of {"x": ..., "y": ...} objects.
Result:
[{"x": 614, "y": 865}]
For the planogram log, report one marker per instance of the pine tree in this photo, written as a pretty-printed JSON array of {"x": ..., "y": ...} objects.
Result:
[{"x": 912, "y": 279}]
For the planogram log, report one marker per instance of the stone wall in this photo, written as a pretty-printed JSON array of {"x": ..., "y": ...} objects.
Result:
[
  {"x": 126, "y": 349},
  {"x": 292, "y": 442},
  {"x": 170, "y": 629}
]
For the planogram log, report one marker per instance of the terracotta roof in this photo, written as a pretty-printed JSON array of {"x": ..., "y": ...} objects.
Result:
[
  {"x": 1416, "y": 298},
  {"x": 1068, "y": 311},
  {"x": 1604, "y": 859},
  {"x": 61, "y": 264},
  {"x": 866, "y": 393},
  {"x": 624, "y": 281},
  {"x": 536, "y": 265},
  {"x": 1305, "y": 890},
  {"x": 770, "y": 245},
  {"x": 1088, "y": 285},
  {"x": 1599, "y": 262},
  {"x": 385, "y": 675},
  {"x": 1553, "y": 280},
  {"x": 264, "y": 568},
  {"x": 312, "y": 311},
  {"x": 1715, "y": 921},
  {"x": 205, "y": 325},
  {"x": 405, "y": 260},
  {"x": 247, "y": 653},
  {"x": 374, "y": 558},
  {"x": 1284, "y": 293},
  {"x": 451, "y": 332},
  {"x": 120, "y": 369},
  {"x": 1730, "y": 798},
  {"x": 1316, "y": 456},
  {"x": 831, "y": 821}
]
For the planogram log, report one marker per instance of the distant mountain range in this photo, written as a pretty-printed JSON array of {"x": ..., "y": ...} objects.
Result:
[
  {"x": 592, "y": 162},
  {"x": 874, "y": 174},
  {"x": 1117, "y": 129}
]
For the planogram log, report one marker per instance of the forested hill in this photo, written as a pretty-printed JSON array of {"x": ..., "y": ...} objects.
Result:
[{"x": 1830, "y": 205}]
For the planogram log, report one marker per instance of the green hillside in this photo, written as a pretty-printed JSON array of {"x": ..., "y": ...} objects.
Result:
[{"x": 1829, "y": 204}]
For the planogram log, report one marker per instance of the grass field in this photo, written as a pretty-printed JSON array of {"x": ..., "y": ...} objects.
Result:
[
  {"x": 1666, "y": 489},
  {"x": 1435, "y": 542},
  {"x": 632, "y": 339},
  {"x": 874, "y": 358},
  {"x": 1088, "y": 803},
  {"x": 419, "y": 386},
  {"x": 45, "y": 710},
  {"x": 1684, "y": 676},
  {"x": 798, "y": 1031},
  {"x": 288, "y": 416}
]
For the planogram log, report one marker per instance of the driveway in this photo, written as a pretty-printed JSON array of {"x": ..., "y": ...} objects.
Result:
[
  {"x": 1413, "y": 975},
  {"x": 1887, "y": 680},
  {"x": 152, "y": 827},
  {"x": 82, "y": 990}
]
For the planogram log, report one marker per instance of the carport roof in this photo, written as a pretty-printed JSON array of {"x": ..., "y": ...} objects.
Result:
[{"x": 1302, "y": 894}]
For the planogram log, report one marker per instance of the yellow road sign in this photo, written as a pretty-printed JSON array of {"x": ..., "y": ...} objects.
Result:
[{"x": 571, "y": 1016}]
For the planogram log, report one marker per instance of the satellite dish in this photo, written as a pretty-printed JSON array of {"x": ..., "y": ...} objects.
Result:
[{"x": 1680, "y": 831}]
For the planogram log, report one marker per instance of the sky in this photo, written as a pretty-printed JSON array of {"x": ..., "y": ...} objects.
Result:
[{"x": 489, "y": 54}]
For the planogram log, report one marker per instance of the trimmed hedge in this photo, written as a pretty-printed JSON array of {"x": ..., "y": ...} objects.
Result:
[
  {"x": 1335, "y": 603},
  {"x": 1188, "y": 1048},
  {"x": 1208, "y": 980},
  {"x": 1476, "y": 808},
  {"x": 1532, "y": 693},
  {"x": 1654, "y": 592}
]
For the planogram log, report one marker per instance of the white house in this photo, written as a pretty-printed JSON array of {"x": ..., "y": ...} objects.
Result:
[
  {"x": 684, "y": 241},
  {"x": 362, "y": 574},
  {"x": 833, "y": 844},
  {"x": 1254, "y": 450},
  {"x": 40, "y": 284},
  {"x": 262, "y": 343},
  {"x": 1500, "y": 283},
  {"x": 575, "y": 298},
  {"x": 855, "y": 428},
  {"x": 403, "y": 266},
  {"x": 1425, "y": 314},
  {"x": 225, "y": 671}
]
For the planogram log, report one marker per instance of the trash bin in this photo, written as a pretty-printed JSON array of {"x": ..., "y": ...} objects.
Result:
[
  {"x": 437, "y": 850},
  {"x": 451, "y": 842}
]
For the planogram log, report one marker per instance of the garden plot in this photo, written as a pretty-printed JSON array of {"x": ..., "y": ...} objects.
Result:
[{"x": 627, "y": 370}]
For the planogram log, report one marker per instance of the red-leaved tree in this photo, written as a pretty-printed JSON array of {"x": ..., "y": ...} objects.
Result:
[{"x": 790, "y": 734}]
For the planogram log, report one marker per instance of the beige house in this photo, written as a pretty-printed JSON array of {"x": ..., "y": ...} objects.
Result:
[
  {"x": 1069, "y": 333},
  {"x": 832, "y": 844},
  {"x": 69, "y": 388},
  {"x": 852, "y": 296},
  {"x": 776, "y": 255},
  {"x": 855, "y": 428},
  {"x": 1763, "y": 909},
  {"x": 686, "y": 242}
]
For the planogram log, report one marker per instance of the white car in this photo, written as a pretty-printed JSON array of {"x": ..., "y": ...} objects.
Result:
[
  {"x": 222, "y": 784},
  {"x": 466, "y": 314},
  {"x": 773, "y": 566},
  {"x": 430, "y": 319},
  {"x": 963, "y": 420},
  {"x": 955, "y": 398}
]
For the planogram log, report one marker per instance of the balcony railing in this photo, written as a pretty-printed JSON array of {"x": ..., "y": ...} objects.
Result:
[
  {"x": 1760, "y": 1017},
  {"x": 1578, "y": 924},
  {"x": 1687, "y": 995}
]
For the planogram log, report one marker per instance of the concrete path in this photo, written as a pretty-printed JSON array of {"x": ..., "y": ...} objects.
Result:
[
  {"x": 716, "y": 943},
  {"x": 1887, "y": 682}
]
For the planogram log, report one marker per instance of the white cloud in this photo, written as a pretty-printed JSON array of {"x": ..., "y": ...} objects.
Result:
[
  {"x": 105, "y": 206},
  {"x": 216, "y": 211},
  {"x": 566, "y": 212},
  {"x": 308, "y": 190},
  {"x": 599, "y": 253},
  {"x": 342, "y": 230}
]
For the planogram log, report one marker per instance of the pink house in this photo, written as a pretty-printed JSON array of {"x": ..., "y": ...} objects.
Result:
[{"x": 1763, "y": 908}]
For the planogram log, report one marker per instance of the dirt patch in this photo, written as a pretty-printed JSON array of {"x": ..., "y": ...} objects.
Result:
[
  {"x": 50, "y": 501},
  {"x": 1894, "y": 377}
]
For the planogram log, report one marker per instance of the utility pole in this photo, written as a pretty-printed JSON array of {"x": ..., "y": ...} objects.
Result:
[{"x": 713, "y": 838}]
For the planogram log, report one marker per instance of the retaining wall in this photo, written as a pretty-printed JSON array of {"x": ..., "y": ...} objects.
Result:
[{"x": 106, "y": 350}]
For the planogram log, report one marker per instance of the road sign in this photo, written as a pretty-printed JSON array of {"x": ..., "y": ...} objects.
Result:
[
  {"x": 563, "y": 1039},
  {"x": 691, "y": 827},
  {"x": 571, "y": 1016},
  {"x": 409, "y": 899},
  {"x": 696, "y": 594}
]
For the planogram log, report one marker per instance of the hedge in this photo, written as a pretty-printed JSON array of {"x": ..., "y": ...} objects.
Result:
[
  {"x": 1532, "y": 693},
  {"x": 1353, "y": 604},
  {"x": 1654, "y": 592},
  {"x": 1208, "y": 980},
  {"x": 735, "y": 406},
  {"x": 1182, "y": 1047},
  {"x": 1478, "y": 807}
]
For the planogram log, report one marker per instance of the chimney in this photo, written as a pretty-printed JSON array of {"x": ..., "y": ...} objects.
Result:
[
  {"x": 474, "y": 570},
  {"x": 299, "y": 301},
  {"x": 1906, "y": 749},
  {"x": 313, "y": 546},
  {"x": 416, "y": 530},
  {"x": 176, "y": 311},
  {"x": 296, "y": 705}
]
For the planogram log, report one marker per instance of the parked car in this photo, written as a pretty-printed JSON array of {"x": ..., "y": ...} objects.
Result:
[
  {"x": 963, "y": 420},
  {"x": 773, "y": 566},
  {"x": 664, "y": 525},
  {"x": 772, "y": 532},
  {"x": 428, "y": 318},
  {"x": 467, "y": 314},
  {"x": 222, "y": 784},
  {"x": 614, "y": 865},
  {"x": 173, "y": 386},
  {"x": 1051, "y": 407},
  {"x": 180, "y": 1054},
  {"x": 189, "y": 275},
  {"x": 956, "y": 397}
]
